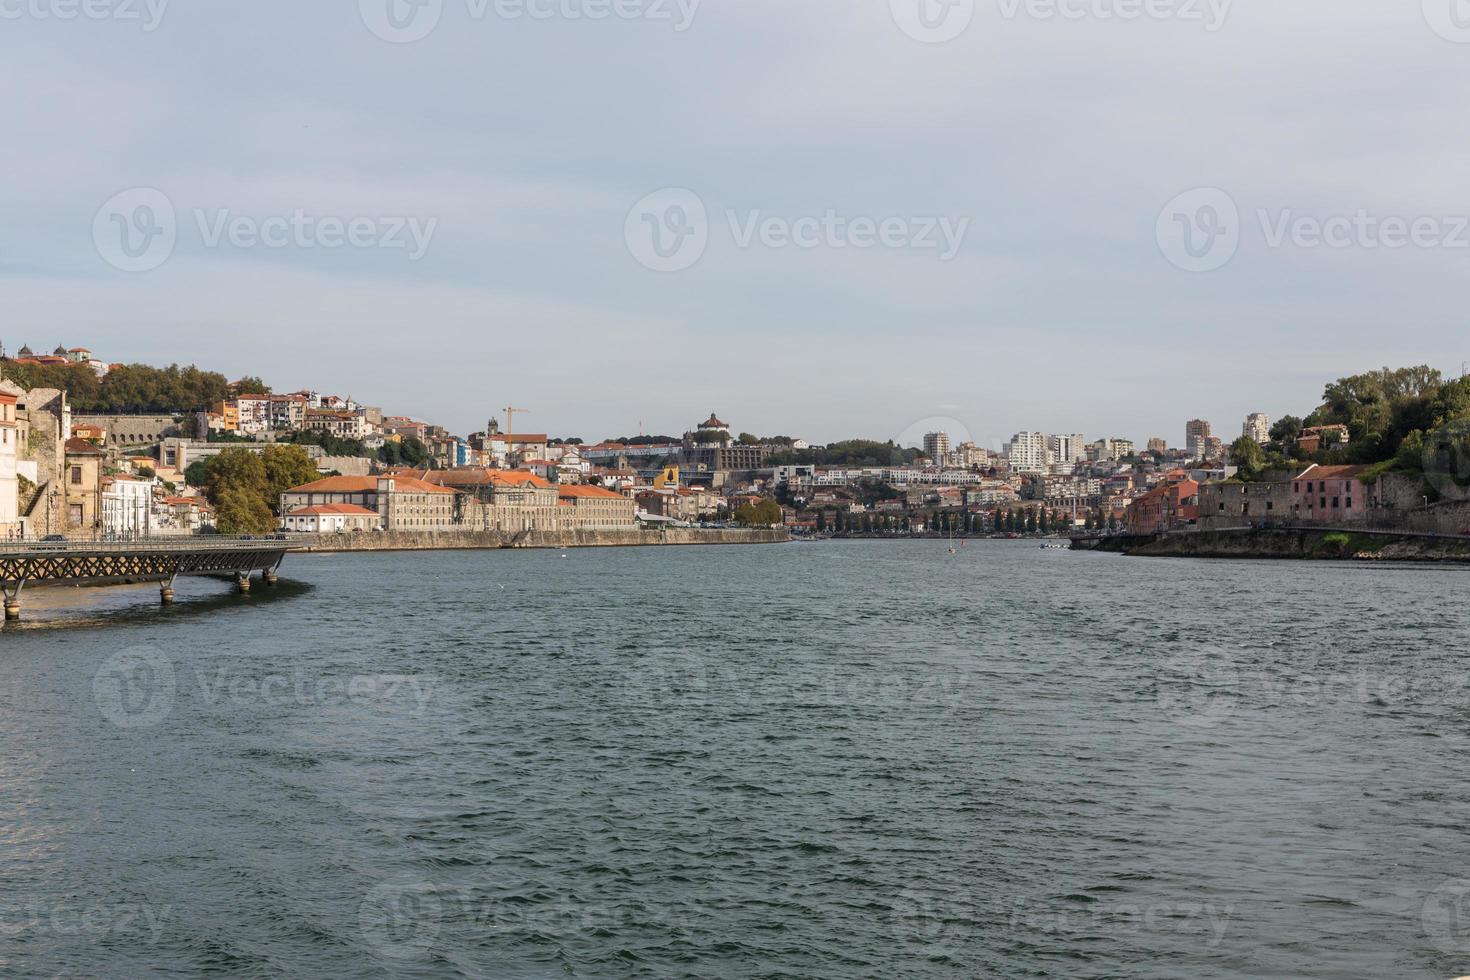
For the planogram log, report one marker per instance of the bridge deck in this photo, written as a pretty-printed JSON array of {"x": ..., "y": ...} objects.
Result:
[{"x": 84, "y": 561}]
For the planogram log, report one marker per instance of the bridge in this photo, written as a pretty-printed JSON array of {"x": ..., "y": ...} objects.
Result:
[{"x": 145, "y": 559}]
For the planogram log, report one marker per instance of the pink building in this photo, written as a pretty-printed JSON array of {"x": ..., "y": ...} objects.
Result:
[{"x": 1330, "y": 494}]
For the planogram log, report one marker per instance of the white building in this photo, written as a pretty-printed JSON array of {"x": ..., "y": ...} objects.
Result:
[
  {"x": 10, "y": 525},
  {"x": 1068, "y": 448},
  {"x": 127, "y": 505},
  {"x": 936, "y": 447},
  {"x": 1028, "y": 452},
  {"x": 1258, "y": 427}
]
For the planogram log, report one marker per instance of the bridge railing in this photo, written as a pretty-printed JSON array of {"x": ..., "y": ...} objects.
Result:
[{"x": 205, "y": 542}]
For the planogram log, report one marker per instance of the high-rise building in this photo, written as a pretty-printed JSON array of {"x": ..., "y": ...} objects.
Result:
[
  {"x": 1028, "y": 452},
  {"x": 1068, "y": 448},
  {"x": 1258, "y": 427},
  {"x": 1196, "y": 433},
  {"x": 936, "y": 447}
]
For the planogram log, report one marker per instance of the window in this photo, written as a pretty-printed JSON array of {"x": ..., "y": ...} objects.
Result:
[
  {"x": 1336, "y": 502},
  {"x": 1323, "y": 503},
  {"x": 76, "y": 476},
  {"x": 1350, "y": 503}
]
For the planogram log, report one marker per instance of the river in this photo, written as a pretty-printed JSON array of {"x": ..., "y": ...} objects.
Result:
[{"x": 840, "y": 759}]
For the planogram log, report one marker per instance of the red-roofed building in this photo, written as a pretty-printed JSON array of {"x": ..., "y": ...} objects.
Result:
[
  {"x": 332, "y": 519},
  {"x": 1167, "y": 506}
]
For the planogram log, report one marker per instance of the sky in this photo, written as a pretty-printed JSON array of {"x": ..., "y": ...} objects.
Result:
[{"x": 818, "y": 218}]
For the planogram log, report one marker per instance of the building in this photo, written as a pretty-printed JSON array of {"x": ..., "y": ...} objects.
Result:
[
  {"x": 332, "y": 519},
  {"x": 1067, "y": 448},
  {"x": 127, "y": 506},
  {"x": 589, "y": 508},
  {"x": 403, "y": 503},
  {"x": 937, "y": 447},
  {"x": 83, "y": 480},
  {"x": 1028, "y": 452},
  {"x": 1158, "y": 446},
  {"x": 1330, "y": 495},
  {"x": 1316, "y": 437},
  {"x": 341, "y": 423},
  {"x": 1258, "y": 427},
  {"x": 1170, "y": 505},
  {"x": 10, "y": 449},
  {"x": 1196, "y": 432}
]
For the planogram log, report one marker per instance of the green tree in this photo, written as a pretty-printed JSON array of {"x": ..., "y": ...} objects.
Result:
[
  {"x": 286, "y": 466},
  {"x": 250, "y": 385},
  {"x": 239, "y": 487},
  {"x": 1248, "y": 456},
  {"x": 239, "y": 511},
  {"x": 763, "y": 514}
]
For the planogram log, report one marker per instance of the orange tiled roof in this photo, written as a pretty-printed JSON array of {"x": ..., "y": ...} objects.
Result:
[
  {"x": 327, "y": 510},
  {"x": 367, "y": 484}
]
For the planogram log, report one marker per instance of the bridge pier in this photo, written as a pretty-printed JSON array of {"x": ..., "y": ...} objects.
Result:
[
  {"x": 242, "y": 582},
  {"x": 12, "y": 600},
  {"x": 166, "y": 591}
]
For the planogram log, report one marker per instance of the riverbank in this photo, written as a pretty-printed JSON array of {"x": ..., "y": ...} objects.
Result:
[
  {"x": 1298, "y": 545},
  {"x": 493, "y": 540}
]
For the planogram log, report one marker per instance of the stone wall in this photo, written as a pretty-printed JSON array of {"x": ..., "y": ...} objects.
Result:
[
  {"x": 485, "y": 540},
  {"x": 135, "y": 432}
]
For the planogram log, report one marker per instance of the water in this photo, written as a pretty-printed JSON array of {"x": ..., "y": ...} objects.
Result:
[{"x": 822, "y": 760}]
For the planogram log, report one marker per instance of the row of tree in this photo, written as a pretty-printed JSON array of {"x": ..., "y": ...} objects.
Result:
[
  {"x": 127, "y": 388},
  {"x": 1404, "y": 418}
]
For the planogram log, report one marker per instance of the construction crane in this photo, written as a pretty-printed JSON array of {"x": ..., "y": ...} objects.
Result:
[{"x": 510, "y": 418}]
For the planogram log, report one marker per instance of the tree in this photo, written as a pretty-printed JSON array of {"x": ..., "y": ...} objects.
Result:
[
  {"x": 1287, "y": 430},
  {"x": 285, "y": 467},
  {"x": 239, "y": 511},
  {"x": 763, "y": 514},
  {"x": 239, "y": 487},
  {"x": 197, "y": 475},
  {"x": 821, "y": 520},
  {"x": 250, "y": 385},
  {"x": 1248, "y": 456}
]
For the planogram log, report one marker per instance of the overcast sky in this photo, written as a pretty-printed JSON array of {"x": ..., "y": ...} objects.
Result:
[{"x": 989, "y": 237}]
